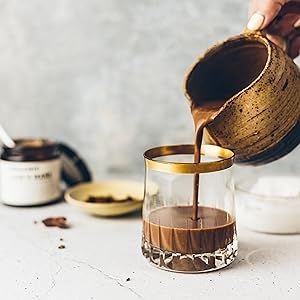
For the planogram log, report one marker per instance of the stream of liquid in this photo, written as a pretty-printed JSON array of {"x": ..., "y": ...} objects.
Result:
[{"x": 202, "y": 115}]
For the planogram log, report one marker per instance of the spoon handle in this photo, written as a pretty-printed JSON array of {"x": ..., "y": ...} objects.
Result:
[{"x": 6, "y": 139}]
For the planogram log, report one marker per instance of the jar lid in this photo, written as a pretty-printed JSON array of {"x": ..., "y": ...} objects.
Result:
[{"x": 74, "y": 169}]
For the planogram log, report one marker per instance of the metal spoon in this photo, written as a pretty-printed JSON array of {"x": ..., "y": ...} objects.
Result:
[{"x": 6, "y": 139}]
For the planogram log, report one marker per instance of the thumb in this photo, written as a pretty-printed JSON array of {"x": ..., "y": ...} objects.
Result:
[{"x": 262, "y": 12}]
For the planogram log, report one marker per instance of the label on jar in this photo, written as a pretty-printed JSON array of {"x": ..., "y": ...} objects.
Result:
[{"x": 30, "y": 183}]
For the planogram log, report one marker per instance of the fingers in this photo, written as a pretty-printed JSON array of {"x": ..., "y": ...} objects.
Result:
[
  {"x": 285, "y": 29},
  {"x": 262, "y": 12}
]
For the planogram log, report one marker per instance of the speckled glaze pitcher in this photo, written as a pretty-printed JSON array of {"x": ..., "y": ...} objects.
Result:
[{"x": 260, "y": 86}]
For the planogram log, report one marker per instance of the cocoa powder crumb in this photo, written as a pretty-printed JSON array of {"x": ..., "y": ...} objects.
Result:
[
  {"x": 108, "y": 199},
  {"x": 60, "y": 222}
]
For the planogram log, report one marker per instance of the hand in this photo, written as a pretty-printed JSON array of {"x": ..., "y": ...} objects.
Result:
[{"x": 281, "y": 21}]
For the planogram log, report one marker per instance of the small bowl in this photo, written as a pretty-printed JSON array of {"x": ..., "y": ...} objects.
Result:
[
  {"x": 269, "y": 204},
  {"x": 117, "y": 190}
]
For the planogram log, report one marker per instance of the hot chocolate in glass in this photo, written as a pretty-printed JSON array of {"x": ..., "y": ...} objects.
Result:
[{"x": 179, "y": 233}]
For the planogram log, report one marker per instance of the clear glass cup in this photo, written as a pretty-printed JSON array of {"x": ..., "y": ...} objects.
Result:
[{"x": 189, "y": 223}]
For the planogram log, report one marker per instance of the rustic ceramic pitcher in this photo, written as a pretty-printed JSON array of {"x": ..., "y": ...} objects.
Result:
[{"x": 260, "y": 86}]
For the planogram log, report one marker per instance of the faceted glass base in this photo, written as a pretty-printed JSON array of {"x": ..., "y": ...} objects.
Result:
[{"x": 190, "y": 263}]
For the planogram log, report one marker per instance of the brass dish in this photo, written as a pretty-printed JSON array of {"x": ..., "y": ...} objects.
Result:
[{"x": 117, "y": 189}]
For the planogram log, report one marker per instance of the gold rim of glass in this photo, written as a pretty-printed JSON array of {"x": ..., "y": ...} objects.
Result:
[{"x": 225, "y": 159}]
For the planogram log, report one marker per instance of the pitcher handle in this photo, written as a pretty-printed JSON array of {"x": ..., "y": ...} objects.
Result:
[{"x": 289, "y": 33}]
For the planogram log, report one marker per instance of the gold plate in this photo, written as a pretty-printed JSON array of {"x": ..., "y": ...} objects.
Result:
[{"x": 119, "y": 190}]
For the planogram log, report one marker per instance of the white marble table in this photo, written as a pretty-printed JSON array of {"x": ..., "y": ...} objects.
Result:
[{"x": 102, "y": 260}]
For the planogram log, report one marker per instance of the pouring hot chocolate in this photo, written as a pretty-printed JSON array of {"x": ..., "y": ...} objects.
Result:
[{"x": 246, "y": 93}]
